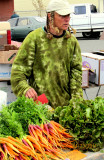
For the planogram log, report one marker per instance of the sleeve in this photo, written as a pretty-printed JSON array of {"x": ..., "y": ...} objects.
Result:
[
  {"x": 22, "y": 66},
  {"x": 76, "y": 73}
]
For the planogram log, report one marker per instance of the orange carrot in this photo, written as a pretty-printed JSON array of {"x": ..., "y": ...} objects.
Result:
[
  {"x": 33, "y": 140},
  {"x": 29, "y": 143},
  {"x": 42, "y": 139},
  {"x": 24, "y": 157},
  {"x": 22, "y": 148},
  {"x": 11, "y": 151},
  {"x": 52, "y": 156},
  {"x": 33, "y": 132},
  {"x": 41, "y": 125},
  {"x": 12, "y": 147},
  {"x": 60, "y": 129},
  {"x": 15, "y": 140}
]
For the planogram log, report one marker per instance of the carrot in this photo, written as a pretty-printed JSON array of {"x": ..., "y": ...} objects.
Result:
[
  {"x": 25, "y": 142},
  {"x": 56, "y": 124},
  {"x": 52, "y": 156},
  {"x": 42, "y": 139},
  {"x": 60, "y": 129},
  {"x": 11, "y": 146},
  {"x": 5, "y": 150},
  {"x": 11, "y": 152},
  {"x": 62, "y": 156},
  {"x": 42, "y": 125},
  {"x": 16, "y": 158},
  {"x": 33, "y": 140},
  {"x": 7, "y": 140},
  {"x": 30, "y": 131},
  {"x": 54, "y": 132},
  {"x": 29, "y": 143},
  {"x": 46, "y": 128},
  {"x": 33, "y": 132},
  {"x": 36, "y": 148},
  {"x": 57, "y": 127},
  {"x": 24, "y": 157},
  {"x": 32, "y": 147},
  {"x": 50, "y": 138},
  {"x": 24, "y": 149},
  {"x": 2, "y": 154},
  {"x": 20, "y": 157},
  {"x": 15, "y": 140},
  {"x": 39, "y": 128},
  {"x": 10, "y": 158},
  {"x": 59, "y": 135}
]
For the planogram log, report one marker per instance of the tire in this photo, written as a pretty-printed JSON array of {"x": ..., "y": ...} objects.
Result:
[
  {"x": 87, "y": 34},
  {"x": 91, "y": 34},
  {"x": 96, "y": 34}
]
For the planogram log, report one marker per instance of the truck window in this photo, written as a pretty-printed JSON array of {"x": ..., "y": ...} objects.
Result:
[
  {"x": 80, "y": 10},
  {"x": 93, "y": 9}
]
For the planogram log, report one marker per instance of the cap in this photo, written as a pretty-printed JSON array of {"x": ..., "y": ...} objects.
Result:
[{"x": 62, "y": 7}]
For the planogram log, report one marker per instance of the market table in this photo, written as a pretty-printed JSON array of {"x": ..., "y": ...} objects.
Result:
[
  {"x": 94, "y": 61},
  {"x": 94, "y": 156},
  {"x": 92, "y": 85}
]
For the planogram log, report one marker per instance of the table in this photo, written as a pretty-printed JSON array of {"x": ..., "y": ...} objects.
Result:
[{"x": 91, "y": 85}]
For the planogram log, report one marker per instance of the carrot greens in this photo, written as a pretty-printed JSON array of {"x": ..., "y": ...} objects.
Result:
[{"x": 15, "y": 118}]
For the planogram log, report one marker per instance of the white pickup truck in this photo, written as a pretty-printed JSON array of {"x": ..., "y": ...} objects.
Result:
[{"x": 87, "y": 20}]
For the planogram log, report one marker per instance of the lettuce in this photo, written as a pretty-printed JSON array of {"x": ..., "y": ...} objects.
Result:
[{"x": 84, "y": 120}]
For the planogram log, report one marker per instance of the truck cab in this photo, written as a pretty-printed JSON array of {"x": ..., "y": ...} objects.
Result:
[
  {"x": 86, "y": 19},
  {"x": 80, "y": 19}
]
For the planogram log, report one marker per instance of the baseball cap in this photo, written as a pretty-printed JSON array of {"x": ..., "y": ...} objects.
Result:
[{"x": 62, "y": 7}]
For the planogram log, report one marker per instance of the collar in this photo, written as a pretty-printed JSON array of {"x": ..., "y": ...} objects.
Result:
[{"x": 56, "y": 35}]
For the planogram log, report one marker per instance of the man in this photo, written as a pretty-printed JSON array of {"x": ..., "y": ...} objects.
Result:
[
  {"x": 50, "y": 59},
  {"x": 14, "y": 15}
]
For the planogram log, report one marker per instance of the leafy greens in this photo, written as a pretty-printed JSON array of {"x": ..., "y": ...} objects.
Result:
[
  {"x": 84, "y": 120},
  {"x": 16, "y": 117}
]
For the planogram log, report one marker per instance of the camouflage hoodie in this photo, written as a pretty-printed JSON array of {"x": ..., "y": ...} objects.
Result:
[{"x": 53, "y": 67}]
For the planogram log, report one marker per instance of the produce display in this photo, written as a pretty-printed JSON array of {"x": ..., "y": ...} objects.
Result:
[
  {"x": 84, "y": 120},
  {"x": 28, "y": 133},
  {"x": 43, "y": 143},
  {"x": 16, "y": 117},
  {"x": 31, "y": 131}
]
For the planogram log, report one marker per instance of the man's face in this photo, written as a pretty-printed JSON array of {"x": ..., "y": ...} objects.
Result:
[{"x": 62, "y": 22}]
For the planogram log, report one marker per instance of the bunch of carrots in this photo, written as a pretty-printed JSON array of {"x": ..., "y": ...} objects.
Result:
[{"x": 45, "y": 142}]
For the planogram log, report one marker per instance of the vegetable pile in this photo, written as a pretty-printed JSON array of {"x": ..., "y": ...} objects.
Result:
[
  {"x": 45, "y": 142},
  {"x": 28, "y": 133},
  {"x": 15, "y": 118},
  {"x": 85, "y": 121}
]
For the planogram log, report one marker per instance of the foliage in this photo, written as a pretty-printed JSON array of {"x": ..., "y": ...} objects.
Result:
[
  {"x": 84, "y": 120},
  {"x": 15, "y": 118}
]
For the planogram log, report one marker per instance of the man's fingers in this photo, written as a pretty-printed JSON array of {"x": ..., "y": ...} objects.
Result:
[
  {"x": 31, "y": 93},
  {"x": 34, "y": 94}
]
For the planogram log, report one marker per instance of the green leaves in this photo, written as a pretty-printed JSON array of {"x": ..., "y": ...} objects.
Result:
[
  {"x": 88, "y": 112},
  {"x": 85, "y": 121},
  {"x": 15, "y": 118}
]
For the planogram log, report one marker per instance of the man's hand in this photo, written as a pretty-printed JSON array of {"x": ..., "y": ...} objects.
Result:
[{"x": 31, "y": 93}]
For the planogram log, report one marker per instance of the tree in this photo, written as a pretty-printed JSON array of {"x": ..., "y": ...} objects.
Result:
[{"x": 38, "y": 4}]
